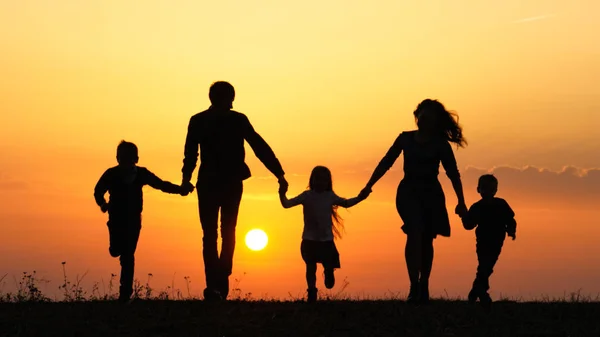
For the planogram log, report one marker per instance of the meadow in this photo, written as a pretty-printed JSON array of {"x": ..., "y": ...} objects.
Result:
[{"x": 173, "y": 312}]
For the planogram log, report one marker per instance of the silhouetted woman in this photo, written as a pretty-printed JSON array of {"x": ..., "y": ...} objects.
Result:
[{"x": 420, "y": 200}]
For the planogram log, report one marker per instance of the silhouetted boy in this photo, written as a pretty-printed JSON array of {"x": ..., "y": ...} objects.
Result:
[
  {"x": 124, "y": 183},
  {"x": 493, "y": 218}
]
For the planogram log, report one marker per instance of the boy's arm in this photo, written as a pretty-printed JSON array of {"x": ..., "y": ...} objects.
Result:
[
  {"x": 101, "y": 189},
  {"x": 287, "y": 203},
  {"x": 470, "y": 219},
  {"x": 511, "y": 225},
  {"x": 155, "y": 182}
]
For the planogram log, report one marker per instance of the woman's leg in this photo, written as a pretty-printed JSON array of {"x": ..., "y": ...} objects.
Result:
[
  {"x": 413, "y": 255},
  {"x": 426, "y": 263},
  {"x": 426, "y": 258}
]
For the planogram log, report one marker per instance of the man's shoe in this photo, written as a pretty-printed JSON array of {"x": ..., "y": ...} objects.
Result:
[
  {"x": 473, "y": 296},
  {"x": 212, "y": 295},
  {"x": 486, "y": 301},
  {"x": 424, "y": 292},
  {"x": 312, "y": 295}
]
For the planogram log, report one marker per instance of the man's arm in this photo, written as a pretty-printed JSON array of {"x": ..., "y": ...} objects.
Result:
[
  {"x": 101, "y": 189},
  {"x": 155, "y": 182},
  {"x": 262, "y": 150},
  {"x": 190, "y": 152}
]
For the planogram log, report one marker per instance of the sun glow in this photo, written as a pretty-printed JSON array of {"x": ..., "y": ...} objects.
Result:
[{"x": 256, "y": 239}]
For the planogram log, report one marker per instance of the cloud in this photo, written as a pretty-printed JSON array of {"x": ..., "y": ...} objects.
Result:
[
  {"x": 533, "y": 185},
  {"x": 535, "y": 18},
  {"x": 9, "y": 184},
  {"x": 571, "y": 184}
]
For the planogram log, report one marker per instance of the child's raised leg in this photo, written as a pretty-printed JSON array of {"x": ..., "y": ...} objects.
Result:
[
  {"x": 329, "y": 278},
  {"x": 311, "y": 281}
]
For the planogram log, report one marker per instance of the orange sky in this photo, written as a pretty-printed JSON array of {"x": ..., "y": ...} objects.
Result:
[{"x": 328, "y": 84}]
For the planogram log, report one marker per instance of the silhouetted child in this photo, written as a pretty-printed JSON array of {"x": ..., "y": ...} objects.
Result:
[
  {"x": 321, "y": 225},
  {"x": 493, "y": 218},
  {"x": 124, "y": 184}
]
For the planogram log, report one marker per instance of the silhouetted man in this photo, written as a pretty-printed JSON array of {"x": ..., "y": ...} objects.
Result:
[{"x": 220, "y": 132}]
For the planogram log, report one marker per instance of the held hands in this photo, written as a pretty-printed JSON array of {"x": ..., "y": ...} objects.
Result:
[
  {"x": 364, "y": 193},
  {"x": 186, "y": 188},
  {"x": 104, "y": 208},
  {"x": 283, "y": 185},
  {"x": 461, "y": 209}
]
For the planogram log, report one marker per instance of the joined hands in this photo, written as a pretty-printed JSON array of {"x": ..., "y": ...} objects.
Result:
[{"x": 186, "y": 188}]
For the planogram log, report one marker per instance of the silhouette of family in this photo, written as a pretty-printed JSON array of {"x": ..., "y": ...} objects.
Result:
[{"x": 218, "y": 135}]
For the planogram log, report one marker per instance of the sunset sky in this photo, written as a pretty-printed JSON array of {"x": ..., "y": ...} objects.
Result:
[{"x": 325, "y": 83}]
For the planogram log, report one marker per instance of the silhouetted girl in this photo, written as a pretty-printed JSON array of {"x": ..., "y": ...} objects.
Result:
[
  {"x": 420, "y": 200},
  {"x": 321, "y": 225}
]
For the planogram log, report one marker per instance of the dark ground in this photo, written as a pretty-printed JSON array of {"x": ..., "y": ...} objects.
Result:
[{"x": 335, "y": 318}]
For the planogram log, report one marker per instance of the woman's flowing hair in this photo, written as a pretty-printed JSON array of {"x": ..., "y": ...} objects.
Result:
[{"x": 447, "y": 124}]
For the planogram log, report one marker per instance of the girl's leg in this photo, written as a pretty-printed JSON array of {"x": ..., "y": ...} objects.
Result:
[
  {"x": 311, "y": 275},
  {"x": 311, "y": 281}
]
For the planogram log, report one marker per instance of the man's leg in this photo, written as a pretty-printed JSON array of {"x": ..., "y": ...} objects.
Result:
[
  {"x": 232, "y": 195},
  {"x": 208, "y": 207},
  {"x": 130, "y": 239}
]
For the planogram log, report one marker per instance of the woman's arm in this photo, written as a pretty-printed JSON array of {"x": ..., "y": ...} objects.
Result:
[
  {"x": 451, "y": 168},
  {"x": 386, "y": 162}
]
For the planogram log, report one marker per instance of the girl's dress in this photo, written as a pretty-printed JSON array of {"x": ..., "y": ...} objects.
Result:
[
  {"x": 420, "y": 199},
  {"x": 317, "y": 237}
]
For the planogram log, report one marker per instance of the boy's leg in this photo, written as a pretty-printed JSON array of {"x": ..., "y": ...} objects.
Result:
[
  {"x": 229, "y": 215},
  {"x": 487, "y": 254},
  {"x": 127, "y": 259},
  {"x": 116, "y": 235},
  {"x": 208, "y": 207}
]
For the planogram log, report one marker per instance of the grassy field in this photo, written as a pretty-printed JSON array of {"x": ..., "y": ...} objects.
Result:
[{"x": 271, "y": 318}]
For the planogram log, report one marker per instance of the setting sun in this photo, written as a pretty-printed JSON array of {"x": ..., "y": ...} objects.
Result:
[{"x": 256, "y": 239}]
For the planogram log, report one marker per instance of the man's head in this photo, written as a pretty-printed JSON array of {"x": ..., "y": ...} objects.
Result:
[
  {"x": 222, "y": 94},
  {"x": 127, "y": 154},
  {"x": 487, "y": 186}
]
